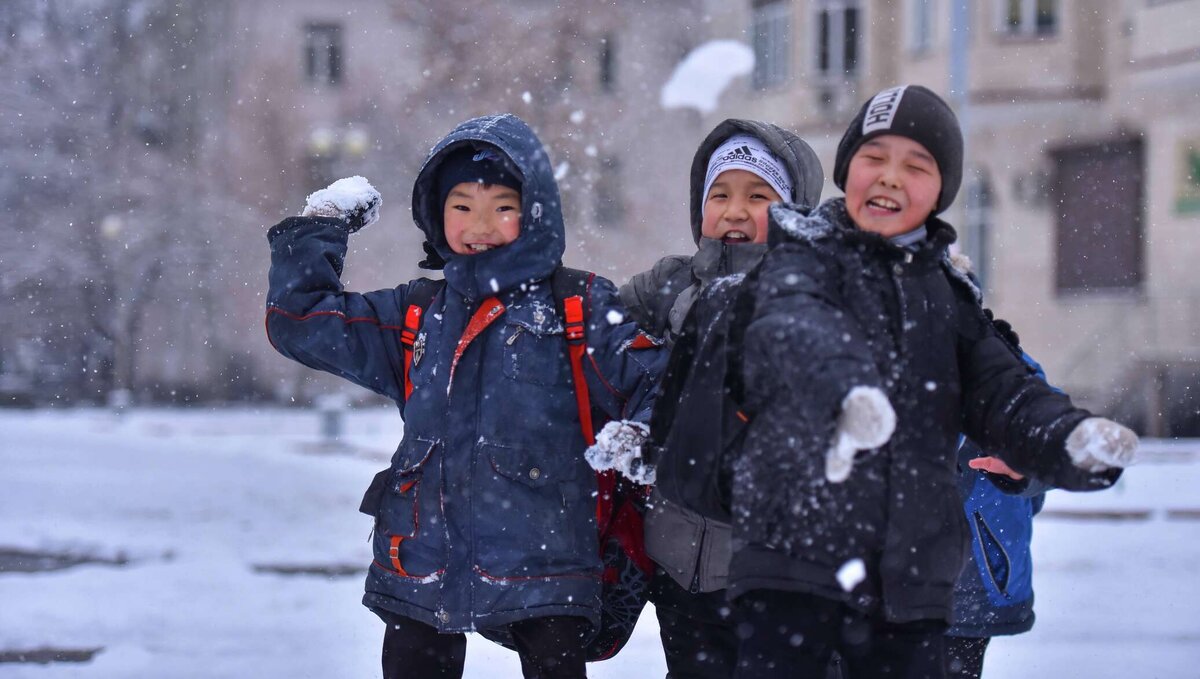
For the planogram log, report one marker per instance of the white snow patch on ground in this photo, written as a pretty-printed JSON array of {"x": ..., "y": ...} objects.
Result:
[
  {"x": 196, "y": 498},
  {"x": 698, "y": 81}
]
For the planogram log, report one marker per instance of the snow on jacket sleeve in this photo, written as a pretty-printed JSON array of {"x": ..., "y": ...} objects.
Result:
[
  {"x": 312, "y": 320},
  {"x": 622, "y": 372},
  {"x": 649, "y": 295},
  {"x": 1013, "y": 414},
  {"x": 799, "y": 313}
]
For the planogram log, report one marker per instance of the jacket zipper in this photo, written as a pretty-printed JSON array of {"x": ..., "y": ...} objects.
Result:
[{"x": 695, "y": 586}]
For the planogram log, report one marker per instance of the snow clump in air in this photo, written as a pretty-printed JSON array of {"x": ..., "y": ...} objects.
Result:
[
  {"x": 704, "y": 73},
  {"x": 851, "y": 573}
]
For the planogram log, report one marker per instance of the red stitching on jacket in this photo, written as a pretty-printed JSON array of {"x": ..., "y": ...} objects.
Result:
[{"x": 345, "y": 319}]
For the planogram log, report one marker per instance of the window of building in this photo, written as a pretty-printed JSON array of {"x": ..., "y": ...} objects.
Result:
[
  {"x": 977, "y": 222},
  {"x": 771, "y": 28},
  {"x": 608, "y": 64},
  {"x": 1097, "y": 190},
  {"x": 323, "y": 53},
  {"x": 1028, "y": 17},
  {"x": 610, "y": 196},
  {"x": 921, "y": 17},
  {"x": 837, "y": 38}
]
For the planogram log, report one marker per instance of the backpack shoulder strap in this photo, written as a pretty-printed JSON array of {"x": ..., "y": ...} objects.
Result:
[
  {"x": 570, "y": 288},
  {"x": 420, "y": 295}
]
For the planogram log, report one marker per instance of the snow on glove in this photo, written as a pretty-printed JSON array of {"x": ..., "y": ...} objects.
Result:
[
  {"x": 867, "y": 421},
  {"x": 619, "y": 446},
  {"x": 1097, "y": 444},
  {"x": 352, "y": 200}
]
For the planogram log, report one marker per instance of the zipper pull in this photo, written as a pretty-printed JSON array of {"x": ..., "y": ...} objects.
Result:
[{"x": 513, "y": 337}]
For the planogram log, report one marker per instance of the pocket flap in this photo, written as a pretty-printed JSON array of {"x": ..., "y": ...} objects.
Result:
[
  {"x": 412, "y": 454},
  {"x": 532, "y": 468},
  {"x": 536, "y": 317}
]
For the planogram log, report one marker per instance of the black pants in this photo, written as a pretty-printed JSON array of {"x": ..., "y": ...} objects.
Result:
[
  {"x": 549, "y": 648},
  {"x": 794, "y": 635},
  {"x": 697, "y": 630},
  {"x": 964, "y": 657},
  {"x": 699, "y": 636}
]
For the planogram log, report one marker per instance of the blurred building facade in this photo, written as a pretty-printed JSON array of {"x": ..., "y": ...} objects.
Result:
[
  {"x": 1079, "y": 205},
  {"x": 1080, "y": 199}
]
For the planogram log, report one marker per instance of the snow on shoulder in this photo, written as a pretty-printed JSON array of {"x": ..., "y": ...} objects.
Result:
[
  {"x": 798, "y": 223},
  {"x": 704, "y": 73},
  {"x": 345, "y": 197}
]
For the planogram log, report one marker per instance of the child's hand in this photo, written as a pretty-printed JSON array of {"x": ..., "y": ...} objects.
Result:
[
  {"x": 352, "y": 200},
  {"x": 1098, "y": 444},
  {"x": 867, "y": 421},
  {"x": 994, "y": 465},
  {"x": 619, "y": 446}
]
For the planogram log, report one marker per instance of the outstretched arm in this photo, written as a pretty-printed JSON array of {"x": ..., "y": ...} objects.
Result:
[{"x": 1034, "y": 429}]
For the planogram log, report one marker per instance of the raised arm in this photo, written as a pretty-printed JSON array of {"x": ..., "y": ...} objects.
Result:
[{"x": 312, "y": 320}]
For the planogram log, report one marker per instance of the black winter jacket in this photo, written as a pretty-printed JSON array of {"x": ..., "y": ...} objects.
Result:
[
  {"x": 687, "y": 527},
  {"x": 835, "y": 308}
]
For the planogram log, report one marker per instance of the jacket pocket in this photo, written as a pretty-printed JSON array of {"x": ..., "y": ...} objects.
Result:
[
  {"x": 534, "y": 348},
  {"x": 373, "y": 498},
  {"x": 673, "y": 539},
  {"x": 400, "y": 488},
  {"x": 408, "y": 537},
  {"x": 996, "y": 563},
  {"x": 534, "y": 512}
]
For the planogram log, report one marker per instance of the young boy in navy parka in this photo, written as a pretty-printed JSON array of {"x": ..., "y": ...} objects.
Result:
[{"x": 486, "y": 518}]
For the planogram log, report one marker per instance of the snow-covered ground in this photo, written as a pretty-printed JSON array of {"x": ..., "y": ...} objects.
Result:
[{"x": 200, "y": 509}]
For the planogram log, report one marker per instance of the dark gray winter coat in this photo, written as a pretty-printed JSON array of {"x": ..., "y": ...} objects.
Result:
[
  {"x": 687, "y": 530},
  {"x": 489, "y": 506},
  {"x": 835, "y": 308}
]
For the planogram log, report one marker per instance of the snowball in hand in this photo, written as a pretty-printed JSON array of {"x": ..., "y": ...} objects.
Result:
[
  {"x": 1097, "y": 444},
  {"x": 352, "y": 200},
  {"x": 867, "y": 421},
  {"x": 619, "y": 446}
]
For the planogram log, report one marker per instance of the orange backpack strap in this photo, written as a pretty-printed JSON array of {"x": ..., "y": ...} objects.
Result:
[
  {"x": 420, "y": 296},
  {"x": 570, "y": 288},
  {"x": 576, "y": 350}
]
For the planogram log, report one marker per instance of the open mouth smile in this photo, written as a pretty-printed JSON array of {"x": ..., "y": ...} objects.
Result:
[{"x": 881, "y": 203}]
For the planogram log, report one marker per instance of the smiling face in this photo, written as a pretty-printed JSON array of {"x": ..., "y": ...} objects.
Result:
[
  {"x": 735, "y": 209},
  {"x": 479, "y": 217},
  {"x": 892, "y": 185}
]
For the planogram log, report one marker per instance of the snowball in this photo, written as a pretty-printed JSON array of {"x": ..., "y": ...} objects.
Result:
[
  {"x": 851, "y": 573},
  {"x": 345, "y": 197},
  {"x": 614, "y": 317},
  {"x": 704, "y": 73},
  {"x": 619, "y": 446}
]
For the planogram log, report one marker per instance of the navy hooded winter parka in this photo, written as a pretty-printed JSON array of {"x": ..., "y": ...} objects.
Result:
[{"x": 487, "y": 514}]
